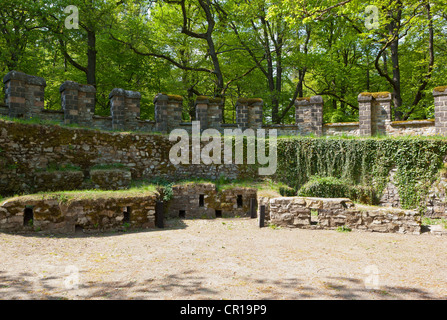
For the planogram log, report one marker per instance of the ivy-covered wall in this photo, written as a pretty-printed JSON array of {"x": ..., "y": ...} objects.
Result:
[{"x": 365, "y": 162}]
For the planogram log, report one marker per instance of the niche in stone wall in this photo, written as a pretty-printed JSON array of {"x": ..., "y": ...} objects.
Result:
[
  {"x": 181, "y": 213},
  {"x": 126, "y": 213},
  {"x": 314, "y": 217},
  {"x": 201, "y": 200},
  {"x": 28, "y": 216},
  {"x": 239, "y": 201}
]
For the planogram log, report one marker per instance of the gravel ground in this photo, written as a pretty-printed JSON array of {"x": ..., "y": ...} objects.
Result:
[{"x": 223, "y": 259}]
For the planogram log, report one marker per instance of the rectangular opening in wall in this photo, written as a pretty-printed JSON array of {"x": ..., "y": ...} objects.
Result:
[
  {"x": 126, "y": 214},
  {"x": 181, "y": 213},
  {"x": 239, "y": 201},
  {"x": 314, "y": 219},
  {"x": 79, "y": 229},
  {"x": 201, "y": 200},
  {"x": 28, "y": 216},
  {"x": 218, "y": 213}
]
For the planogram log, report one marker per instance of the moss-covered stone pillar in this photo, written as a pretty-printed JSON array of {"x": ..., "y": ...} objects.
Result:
[
  {"x": 124, "y": 109},
  {"x": 249, "y": 113},
  {"x": 78, "y": 103},
  {"x": 168, "y": 112},
  {"x": 24, "y": 94},
  {"x": 309, "y": 115},
  {"x": 374, "y": 112},
  {"x": 440, "y": 96}
]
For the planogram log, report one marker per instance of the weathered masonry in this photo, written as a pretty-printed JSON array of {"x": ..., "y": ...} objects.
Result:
[
  {"x": 60, "y": 214},
  {"x": 326, "y": 213},
  {"x": 205, "y": 201},
  {"x": 24, "y": 98},
  {"x": 57, "y": 214}
]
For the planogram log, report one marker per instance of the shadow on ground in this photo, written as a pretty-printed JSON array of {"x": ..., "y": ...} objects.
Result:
[{"x": 190, "y": 285}]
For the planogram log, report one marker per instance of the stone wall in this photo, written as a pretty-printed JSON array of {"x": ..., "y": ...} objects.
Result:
[
  {"x": 103, "y": 211},
  {"x": 341, "y": 128},
  {"x": 24, "y": 98},
  {"x": 390, "y": 195},
  {"x": 297, "y": 212},
  {"x": 30, "y": 148},
  {"x": 411, "y": 128},
  {"x": 63, "y": 215},
  {"x": 205, "y": 201}
]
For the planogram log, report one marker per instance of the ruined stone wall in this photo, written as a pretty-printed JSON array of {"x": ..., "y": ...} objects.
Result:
[
  {"x": 29, "y": 148},
  {"x": 24, "y": 98},
  {"x": 296, "y": 212},
  {"x": 205, "y": 201},
  {"x": 64, "y": 215}
]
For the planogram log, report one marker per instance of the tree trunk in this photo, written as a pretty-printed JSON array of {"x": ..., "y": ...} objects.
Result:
[
  {"x": 91, "y": 58},
  {"x": 397, "y": 95}
]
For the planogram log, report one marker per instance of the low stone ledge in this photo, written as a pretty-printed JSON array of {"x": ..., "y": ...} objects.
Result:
[
  {"x": 342, "y": 124},
  {"x": 426, "y": 122}
]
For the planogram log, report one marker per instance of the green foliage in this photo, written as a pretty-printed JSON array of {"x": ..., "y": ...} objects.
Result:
[
  {"x": 164, "y": 189},
  {"x": 262, "y": 49},
  {"x": 330, "y": 187},
  {"x": 365, "y": 162},
  {"x": 426, "y": 221},
  {"x": 343, "y": 229},
  {"x": 126, "y": 226}
]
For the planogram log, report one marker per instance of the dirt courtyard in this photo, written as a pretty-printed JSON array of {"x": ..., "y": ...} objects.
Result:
[{"x": 223, "y": 259}]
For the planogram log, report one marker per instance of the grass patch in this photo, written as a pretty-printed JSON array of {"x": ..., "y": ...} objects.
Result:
[
  {"x": 343, "y": 229},
  {"x": 426, "y": 221}
]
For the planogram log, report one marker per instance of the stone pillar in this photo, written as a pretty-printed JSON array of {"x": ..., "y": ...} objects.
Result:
[
  {"x": 124, "y": 109},
  {"x": 440, "y": 96},
  {"x": 365, "y": 107},
  {"x": 209, "y": 112},
  {"x": 374, "y": 112},
  {"x": 168, "y": 112},
  {"x": 249, "y": 113},
  {"x": 24, "y": 94},
  {"x": 78, "y": 103},
  {"x": 201, "y": 105},
  {"x": 309, "y": 115}
]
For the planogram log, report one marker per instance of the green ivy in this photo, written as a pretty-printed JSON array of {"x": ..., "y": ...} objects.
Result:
[{"x": 365, "y": 162}]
